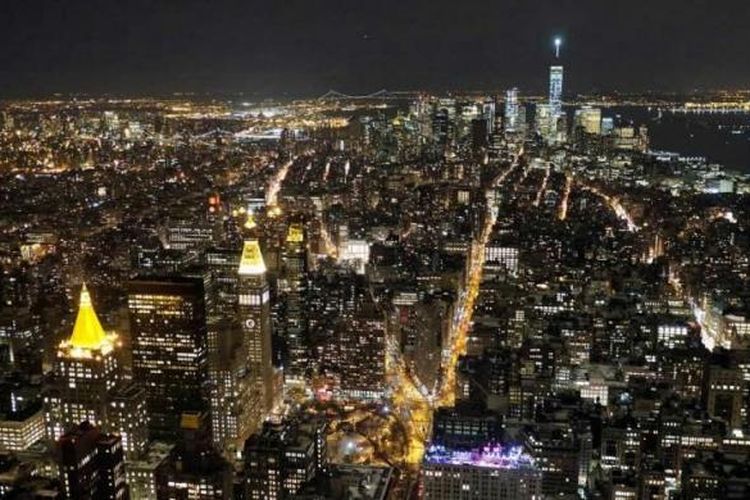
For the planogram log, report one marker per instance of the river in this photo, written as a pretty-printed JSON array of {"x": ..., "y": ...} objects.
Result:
[{"x": 721, "y": 138}]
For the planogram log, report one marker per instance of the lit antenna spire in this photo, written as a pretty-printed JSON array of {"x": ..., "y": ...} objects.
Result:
[{"x": 558, "y": 43}]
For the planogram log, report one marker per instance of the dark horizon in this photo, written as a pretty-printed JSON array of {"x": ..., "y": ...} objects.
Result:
[
  {"x": 299, "y": 49},
  {"x": 251, "y": 98}
]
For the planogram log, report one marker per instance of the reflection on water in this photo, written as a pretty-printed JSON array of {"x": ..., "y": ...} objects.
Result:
[{"x": 721, "y": 138}]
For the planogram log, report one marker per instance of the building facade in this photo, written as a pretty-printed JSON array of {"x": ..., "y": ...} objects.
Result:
[{"x": 168, "y": 329}]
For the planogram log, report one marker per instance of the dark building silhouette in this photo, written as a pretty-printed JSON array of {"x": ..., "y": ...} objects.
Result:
[
  {"x": 194, "y": 469},
  {"x": 92, "y": 464}
]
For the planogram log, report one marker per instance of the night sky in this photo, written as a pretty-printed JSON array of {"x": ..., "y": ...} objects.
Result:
[{"x": 303, "y": 48}]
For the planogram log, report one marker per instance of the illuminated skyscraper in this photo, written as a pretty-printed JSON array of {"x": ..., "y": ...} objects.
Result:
[
  {"x": 227, "y": 388},
  {"x": 589, "y": 119},
  {"x": 292, "y": 289},
  {"x": 168, "y": 329},
  {"x": 89, "y": 387},
  {"x": 86, "y": 373},
  {"x": 227, "y": 363},
  {"x": 237, "y": 350},
  {"x": 544, "y": 120},
  {"x": 555, "y": 90},
  {"x": 556, "y": 82},
  {"x": 127, "y": 416},
  {"x": 361, "y": 355},
  {"x": 222, "y": 264},
  {"x": 441, "y": 127},
  {"x": 555, "y": 94},
  {"x": 511, "y": 110},
  {"x": 489, "y": 114},
  {"x": 254, "y": 311}
]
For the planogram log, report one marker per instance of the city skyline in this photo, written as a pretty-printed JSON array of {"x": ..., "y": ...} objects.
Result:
[{"x": 395, "y": 295}]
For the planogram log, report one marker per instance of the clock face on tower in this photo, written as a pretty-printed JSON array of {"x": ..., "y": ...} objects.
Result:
[{"x": 250, "y": 323}]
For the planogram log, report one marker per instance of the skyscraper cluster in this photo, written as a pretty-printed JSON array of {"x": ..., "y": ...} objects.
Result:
[{"x": 386, "y": 296}]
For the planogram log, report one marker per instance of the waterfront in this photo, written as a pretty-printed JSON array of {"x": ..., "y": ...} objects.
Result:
[{"x": 721, "y": 138}]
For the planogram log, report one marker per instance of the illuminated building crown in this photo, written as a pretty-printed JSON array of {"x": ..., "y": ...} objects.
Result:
[
  {"x": 251, "y": 262},
  {"x": 88, "y": 333},
  {"x": 295, "y": 234}
]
